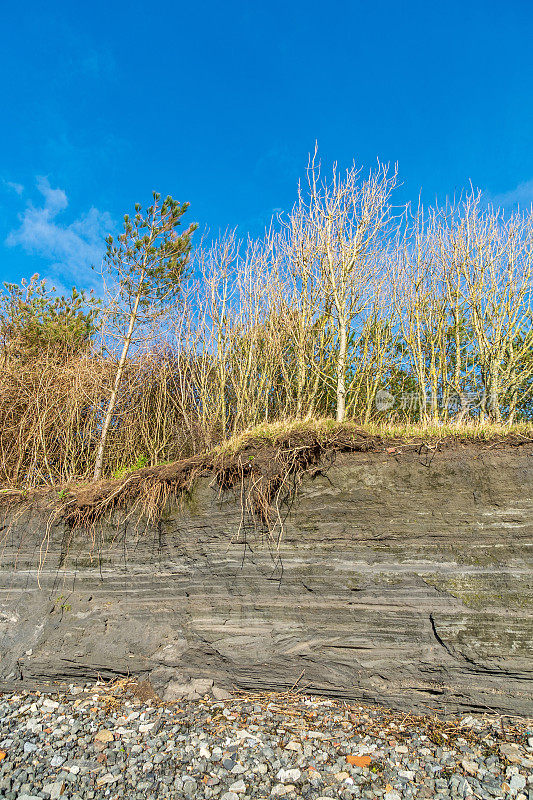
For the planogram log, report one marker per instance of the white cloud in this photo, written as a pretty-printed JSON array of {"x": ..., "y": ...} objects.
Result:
[
  {"x": 16, "y": 187},
  {"x": 72, "y": 248},
  {"x": 55, "y": 200},
  {"x": 521, "y": 195}
]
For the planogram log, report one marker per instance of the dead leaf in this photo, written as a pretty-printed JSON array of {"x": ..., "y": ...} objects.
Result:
[{"x": 358, "y": 761}]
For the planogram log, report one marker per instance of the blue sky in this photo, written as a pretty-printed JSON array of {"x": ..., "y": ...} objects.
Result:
[{"x": 219, "y": 103}]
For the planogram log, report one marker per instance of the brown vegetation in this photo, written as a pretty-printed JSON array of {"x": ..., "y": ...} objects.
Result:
[{"x": 343, "y": 310}]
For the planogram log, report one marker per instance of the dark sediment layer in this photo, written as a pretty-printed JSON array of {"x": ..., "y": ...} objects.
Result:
[{"x": 402, "y": 579}]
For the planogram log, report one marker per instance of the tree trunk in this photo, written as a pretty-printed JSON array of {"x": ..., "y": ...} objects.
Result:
[
  {"x": 341, "y": 372},
  {"x": 495, "y": 395},
  {"x": 118, "y": 377},
  {"x": 300, "y": 383}
]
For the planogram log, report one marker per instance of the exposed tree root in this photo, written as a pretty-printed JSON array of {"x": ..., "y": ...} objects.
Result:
[
  {"x": 267, "y": 471},
  {"x": 266, "y": 468}
]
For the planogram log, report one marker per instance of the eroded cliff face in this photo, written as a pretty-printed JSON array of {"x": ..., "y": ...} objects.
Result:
[{"x": 402, "y": 579}]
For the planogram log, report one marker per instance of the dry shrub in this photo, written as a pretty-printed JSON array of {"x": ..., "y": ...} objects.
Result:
[
  {"x": 51, "y": 414},
  {"x": 48, "y": 418}
]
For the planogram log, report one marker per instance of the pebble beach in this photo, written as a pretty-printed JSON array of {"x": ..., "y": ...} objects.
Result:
[{"x": 121, "y": 741}]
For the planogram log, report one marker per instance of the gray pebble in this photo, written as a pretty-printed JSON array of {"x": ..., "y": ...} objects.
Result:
[{"x": 243, "y": 749}]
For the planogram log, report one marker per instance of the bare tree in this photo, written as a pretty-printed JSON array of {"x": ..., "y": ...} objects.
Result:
[
  {"x": 350, "y": 216},
  {"x": 422, "y": 309},
  {"x": 492, "y": 258}
]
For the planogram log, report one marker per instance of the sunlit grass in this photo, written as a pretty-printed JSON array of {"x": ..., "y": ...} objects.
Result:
[
  {"x": 464, "y": 430},
  {"x": 385, "y": 430}
]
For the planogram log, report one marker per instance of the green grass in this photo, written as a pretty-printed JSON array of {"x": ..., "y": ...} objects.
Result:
[{"x": 141, "y": 461}]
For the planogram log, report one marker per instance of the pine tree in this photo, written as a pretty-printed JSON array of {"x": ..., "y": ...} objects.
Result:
[{"x": 148, "y": 263}]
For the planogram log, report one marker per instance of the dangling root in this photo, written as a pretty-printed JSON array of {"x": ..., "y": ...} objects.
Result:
[{"x": 267, "y": 469}]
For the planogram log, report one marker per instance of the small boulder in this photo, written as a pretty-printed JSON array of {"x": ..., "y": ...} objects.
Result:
[
  {"x": 176, "y": 691},
  {"x": 49, "y": 704},
  {"x": 202, "y": 686},
  {"x": 220, "y": 694},
  {"x": 192, "y": 690}
]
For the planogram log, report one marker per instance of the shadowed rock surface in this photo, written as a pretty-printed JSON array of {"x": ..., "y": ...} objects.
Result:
[{"x": 402, "y": 579}]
